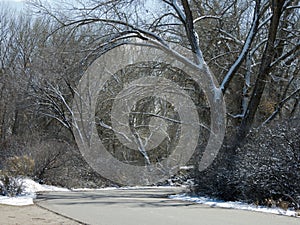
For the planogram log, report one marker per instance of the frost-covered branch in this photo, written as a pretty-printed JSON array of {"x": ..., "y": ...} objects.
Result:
[
  {"x": 263, "y": 72},
  {"x": 206, "y": 17},
  {"x": 180, "y": 13},
  {"x": 191, "y": 33},
  {"x": 236, "y": 65},
  {"x": 230, "y": 37},
  {"x": 143, "y": 34}
]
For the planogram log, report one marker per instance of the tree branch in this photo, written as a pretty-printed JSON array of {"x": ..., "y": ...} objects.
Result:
[
  {"x": 206, "y": 17},
  {"x": 280, "y": 105},
  {"x": 191, "y": 34},
  {"x": 264, "y": 70},
  {"x": 238, "y": 62}
]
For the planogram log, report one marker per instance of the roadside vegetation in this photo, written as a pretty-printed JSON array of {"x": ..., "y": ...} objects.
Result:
[{"x": 251, "y": 46}]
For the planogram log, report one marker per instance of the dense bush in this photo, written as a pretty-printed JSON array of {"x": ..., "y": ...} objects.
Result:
[{"x": 266, "y": 167}]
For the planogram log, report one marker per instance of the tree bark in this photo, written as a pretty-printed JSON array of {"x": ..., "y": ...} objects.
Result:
[{"x": 262, "y": 77}]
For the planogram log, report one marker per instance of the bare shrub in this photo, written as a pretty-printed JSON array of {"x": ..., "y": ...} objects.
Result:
[
  {"x": 19, "y": 165},
  {"x": 10, "y": 186},
  {"x": 48, "y": 161},
  {"x": 11, "y": 176}
]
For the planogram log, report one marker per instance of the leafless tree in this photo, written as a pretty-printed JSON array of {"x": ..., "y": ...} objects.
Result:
[
  {"x": 252, "y": 46},
  {"x": 259, "y": 42}
]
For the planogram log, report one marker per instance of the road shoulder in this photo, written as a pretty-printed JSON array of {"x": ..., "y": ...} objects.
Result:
[{"x": 31, "y": 215}]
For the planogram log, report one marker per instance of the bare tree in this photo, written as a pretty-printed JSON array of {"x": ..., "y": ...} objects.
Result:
[
  {"x": 251, "y": 45},
  {"x": 267, "y": 34}
]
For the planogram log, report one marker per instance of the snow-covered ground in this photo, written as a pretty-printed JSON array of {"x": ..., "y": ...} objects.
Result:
[
  {"x": 232, "y": 205},
  {"x": 32, "y": 187}
]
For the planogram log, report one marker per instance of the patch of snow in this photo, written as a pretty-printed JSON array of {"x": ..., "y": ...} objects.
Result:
[
  {"x": 186, "y": 167},
  {"x": 33, "y": 187},
  {"x": 30, "y": 189},
  {"x": 17, "y": 201},
  {"x": 232, "y": 205}
]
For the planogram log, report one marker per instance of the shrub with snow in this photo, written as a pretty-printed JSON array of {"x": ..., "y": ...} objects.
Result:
[
  {"x": 266, "y": 167},
  {"x": 10, "y": 186}
]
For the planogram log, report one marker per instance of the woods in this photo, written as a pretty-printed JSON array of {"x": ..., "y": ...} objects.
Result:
[{"x": 251, "y": 47}]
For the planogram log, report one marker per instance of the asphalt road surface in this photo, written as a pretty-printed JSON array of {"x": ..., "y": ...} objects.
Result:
[{"x": 148, "y": 206}]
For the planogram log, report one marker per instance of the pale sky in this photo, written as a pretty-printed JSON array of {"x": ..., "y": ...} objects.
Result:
[
  {"x": 16, "y": 4},
  {"x": 11, "y": 0}
]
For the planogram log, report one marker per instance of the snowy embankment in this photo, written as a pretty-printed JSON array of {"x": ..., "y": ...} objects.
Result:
[
  {"x": 233, "y": 205},
  {"x": 30, "y": 189}
]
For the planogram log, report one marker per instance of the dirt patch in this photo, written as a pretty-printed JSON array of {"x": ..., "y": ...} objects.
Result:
[{"x": 30, "y": 215}]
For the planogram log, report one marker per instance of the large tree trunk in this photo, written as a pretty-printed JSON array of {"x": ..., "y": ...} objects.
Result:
[{"x": 262, "y": 77}]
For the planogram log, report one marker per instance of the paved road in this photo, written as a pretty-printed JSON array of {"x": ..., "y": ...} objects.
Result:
[{"x": 148, "y": 206}]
